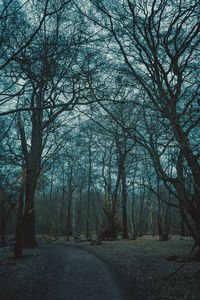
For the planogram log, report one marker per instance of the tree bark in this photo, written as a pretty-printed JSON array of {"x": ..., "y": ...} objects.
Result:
[
  {"x": 32, "y": 166},
  {"x": 20, "y": 223},
  {"x": 69, "y": 204},
  {"x": 89, "y": 190},
  {"x": 124, "y": 204},
  {"x": 29, "y": 229}
]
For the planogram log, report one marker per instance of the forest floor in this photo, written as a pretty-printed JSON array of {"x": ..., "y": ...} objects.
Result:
[{"x": 138, "y": 267}]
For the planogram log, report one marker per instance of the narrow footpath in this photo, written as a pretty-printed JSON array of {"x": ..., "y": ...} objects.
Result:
[{"x": 74, "y": 274}]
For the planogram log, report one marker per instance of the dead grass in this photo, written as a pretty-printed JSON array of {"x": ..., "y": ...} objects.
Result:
[
  {"x": 143, "y": 266},
  {"x": 140, "y": 265},
  {"x": 18, "y": 276}
]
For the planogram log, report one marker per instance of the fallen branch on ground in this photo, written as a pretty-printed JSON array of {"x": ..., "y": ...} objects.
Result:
[{"x": 182, "y": 266}]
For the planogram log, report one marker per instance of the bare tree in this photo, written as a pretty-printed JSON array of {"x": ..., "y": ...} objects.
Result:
[
  {"x": 159, "y": 42},
  {"x": 52, "y": 77}
]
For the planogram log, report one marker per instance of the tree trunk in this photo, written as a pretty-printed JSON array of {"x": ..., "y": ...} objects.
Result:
[
  {"x": 29, "y": 229},
  {"x": 133, "y": 214},
  {"x": 61, "y": 215},
  {"x": 89, "y": 191},
  {"x": 20, "y": 223},
  {"x": 79, "y": 212},
  {"x": 69, "y": 204},
  {"x": 69, "y": 219},
  {"x": 139, "y": 230},
  {"x": 182, "y": 228},
  {"x": 197, "y": 256},
  {"x": 159, "y": 221},
  {"x": 124, "y": 204},
  {"x": 32, "y": 162},
  {"x": 151, "y": 222}
]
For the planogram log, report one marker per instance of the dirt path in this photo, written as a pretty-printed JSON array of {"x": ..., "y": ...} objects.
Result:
[
  {"x": 117, "y": 270},
  {"x": 74, "y": 274}
]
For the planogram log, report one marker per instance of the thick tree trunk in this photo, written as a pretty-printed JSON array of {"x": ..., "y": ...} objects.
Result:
[
  {"x": 32, "y": 161},
  {"x": 194, "y": 231},
  {"x": 29, "y": 229}
]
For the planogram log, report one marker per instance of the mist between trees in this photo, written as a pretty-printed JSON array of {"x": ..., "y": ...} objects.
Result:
[{"x": 99, "y": 106}]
